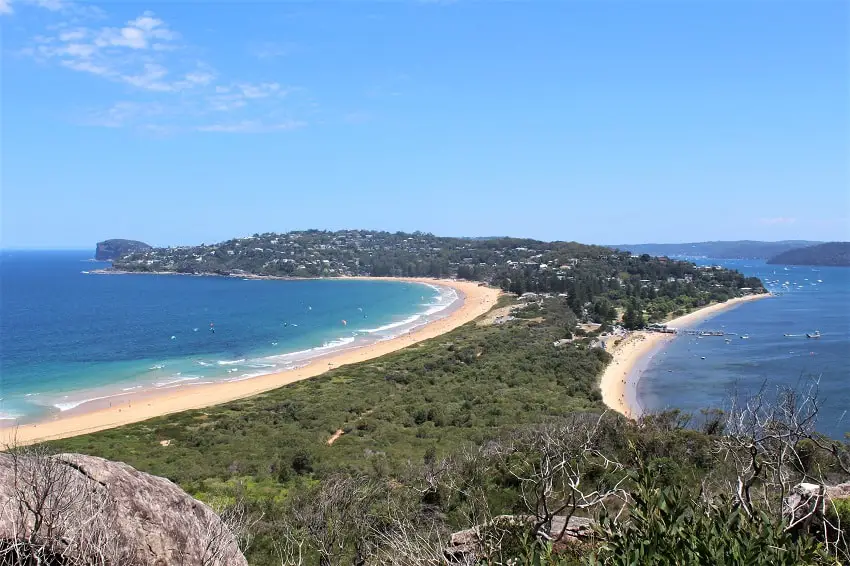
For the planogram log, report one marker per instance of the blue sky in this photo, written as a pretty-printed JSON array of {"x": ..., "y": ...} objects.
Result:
[{"x": 596, "y": 121}]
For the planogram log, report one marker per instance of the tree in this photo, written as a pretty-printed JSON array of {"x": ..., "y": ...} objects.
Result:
[{"x": 633, "y": 317}]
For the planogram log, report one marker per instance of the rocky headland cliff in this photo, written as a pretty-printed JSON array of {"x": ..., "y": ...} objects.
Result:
[{"x": 108, "y": 250}]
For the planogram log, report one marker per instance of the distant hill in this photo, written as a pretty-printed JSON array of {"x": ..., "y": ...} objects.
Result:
[
  {"x": 738, "y": 249},
  {"x": 830, "y": 253},
  {"x": 115, "y": 248}
]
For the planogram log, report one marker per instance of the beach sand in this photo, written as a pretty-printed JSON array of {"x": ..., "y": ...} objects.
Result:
[
  {"x": 619, "y": 381},
  {"x": 476, "y": 300}
]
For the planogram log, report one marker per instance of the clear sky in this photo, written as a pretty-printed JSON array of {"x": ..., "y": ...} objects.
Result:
[{"x": 597, "y": 121}]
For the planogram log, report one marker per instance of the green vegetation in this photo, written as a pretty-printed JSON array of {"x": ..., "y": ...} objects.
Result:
[
  {"x": 460, "y": 429},
  {"x": 493, "y": 425},
  {"x": 835, "y": 254},
  {"x": 428, "y": 398},
  {"x": 671, "y": 525}
]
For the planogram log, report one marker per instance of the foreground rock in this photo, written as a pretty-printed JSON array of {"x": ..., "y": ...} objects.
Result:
[{"x": 94, "y": 511}]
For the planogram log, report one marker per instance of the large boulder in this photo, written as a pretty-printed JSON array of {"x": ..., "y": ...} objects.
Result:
[{"x": 74, "y": 509}]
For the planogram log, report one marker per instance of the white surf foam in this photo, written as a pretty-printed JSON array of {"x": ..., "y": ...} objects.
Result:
[
  {"x": 249, "y": 375},
  {"x": 177, "y": 379},
  {"x": 68, "y": 405},
  {"x": 338, "y": 343},
  {"x": 390, "y": 326}
]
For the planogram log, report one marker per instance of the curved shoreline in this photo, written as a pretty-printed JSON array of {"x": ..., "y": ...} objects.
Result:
[
  {"x": 474, "y": 300},
  {"x": 620, "y": 378}
]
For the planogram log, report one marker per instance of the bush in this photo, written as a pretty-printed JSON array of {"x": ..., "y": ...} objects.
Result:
[
  {"x": 673, "y": 526},
  {"x": 302, "y": 462}
]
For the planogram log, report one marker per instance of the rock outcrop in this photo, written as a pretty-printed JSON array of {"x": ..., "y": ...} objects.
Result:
[
  {"x": 465, "y": 546},
  {"x": 804, "y": 504},
  {"x": 88, "y": 506},
  {"x": 108, "y": 250}
]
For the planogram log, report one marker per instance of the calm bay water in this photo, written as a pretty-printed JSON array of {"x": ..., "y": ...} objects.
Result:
[
  {"x": 813, "y": 299},
  {"x": 67, "y": 337}
]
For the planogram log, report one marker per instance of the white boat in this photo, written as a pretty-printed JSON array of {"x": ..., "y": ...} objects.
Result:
[
  {"x": 745, "y": 337},
  {"x": 815, "y": 334}
]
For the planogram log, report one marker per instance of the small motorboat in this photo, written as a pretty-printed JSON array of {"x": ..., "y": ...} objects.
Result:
[{"x": 815, "y": 334}]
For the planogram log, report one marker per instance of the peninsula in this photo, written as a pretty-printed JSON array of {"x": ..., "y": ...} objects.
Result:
[
  {"x": 113, "y": 249},
  {"x": 597, "y": 282},
  {"x": 835, "y": 254}
]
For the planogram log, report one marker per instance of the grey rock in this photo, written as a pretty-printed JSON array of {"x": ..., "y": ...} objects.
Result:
[
  {"x": 465, "y": 545},
  {"x": 804, "y": 503},
  {"x": 146, "y": 520}
]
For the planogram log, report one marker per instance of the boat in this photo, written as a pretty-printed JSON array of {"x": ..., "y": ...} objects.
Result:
[
  {"x": 745, "y": 336},
  {"x": 815, "y": 334}
]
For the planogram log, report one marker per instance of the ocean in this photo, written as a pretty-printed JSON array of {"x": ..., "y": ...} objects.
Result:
[
  {"x": 68, "y": 336},
  {"x": 808, "y": 299}
]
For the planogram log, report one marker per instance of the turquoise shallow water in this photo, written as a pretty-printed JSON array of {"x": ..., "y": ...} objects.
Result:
[
  {"x": 67, "y": 337},
  {"x": 809, "y": 299}
]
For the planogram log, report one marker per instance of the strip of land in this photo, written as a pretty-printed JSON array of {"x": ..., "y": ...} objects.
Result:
[
  {"x": 619, "y": 381},
  {"x": 475, "y": 300}
]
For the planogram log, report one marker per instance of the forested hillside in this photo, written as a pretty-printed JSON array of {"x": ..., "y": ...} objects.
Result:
[
  {"x": 836, "y": 254},
  {"x": 596, "y": 280}
]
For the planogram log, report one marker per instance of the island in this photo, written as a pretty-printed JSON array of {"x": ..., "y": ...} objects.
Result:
[
  {"x": 834, "y": 254},
  {"x": 109, "y": 250}
]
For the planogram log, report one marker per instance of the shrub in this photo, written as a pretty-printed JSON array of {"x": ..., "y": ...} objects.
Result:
[{"x": 672, "y": 526}]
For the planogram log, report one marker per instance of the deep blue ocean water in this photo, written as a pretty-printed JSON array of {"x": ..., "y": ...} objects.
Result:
[
  {"x": 814, "y": 298},
  {"x": 67, "y": 336}
]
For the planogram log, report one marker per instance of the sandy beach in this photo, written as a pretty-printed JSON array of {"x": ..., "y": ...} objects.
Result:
[
  {"x": 619, "y": 381},
  {"x": 475, "y": 301}
]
